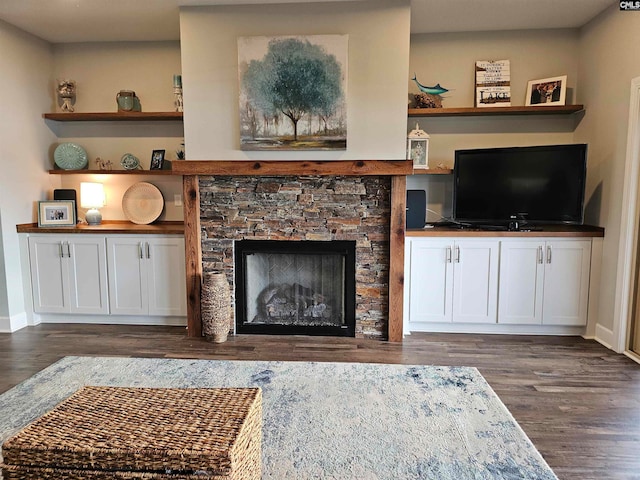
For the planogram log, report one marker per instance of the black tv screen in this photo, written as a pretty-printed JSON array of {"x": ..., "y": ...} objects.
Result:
[{"x": 542, "y": 184}]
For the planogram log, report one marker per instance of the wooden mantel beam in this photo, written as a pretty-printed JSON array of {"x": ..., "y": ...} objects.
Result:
[{"x": 293, "y": 167}]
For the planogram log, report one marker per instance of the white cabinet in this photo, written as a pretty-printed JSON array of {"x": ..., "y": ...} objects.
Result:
[
  {"x": 566, "y": 282},
  {"x": 452, "y": 280},
  {"x": 544, "y": 281},
  {"x": 497, "y": 285},
  {"x": 147, "y": 275},
  {"x": 68, "y": 274},
  {"x": 521, "y": 281}
]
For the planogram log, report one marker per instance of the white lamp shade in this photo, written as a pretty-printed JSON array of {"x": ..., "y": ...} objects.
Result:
[{"x": 91, "y": 195}]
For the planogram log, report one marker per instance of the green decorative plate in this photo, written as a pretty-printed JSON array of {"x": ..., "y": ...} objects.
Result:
[{"x": 70, "y": 156}]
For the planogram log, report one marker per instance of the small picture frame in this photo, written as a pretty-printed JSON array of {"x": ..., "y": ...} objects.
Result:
[
  {"x": 547, "y": 92},
  {"x": 157, "y": 160},
  {"x": 418, "y": 152},
  {"x": 418, "y": 148},
  {"x": 57, "y": 213}
]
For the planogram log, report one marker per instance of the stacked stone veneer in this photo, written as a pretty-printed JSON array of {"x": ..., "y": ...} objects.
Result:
[{"x": 305, "y": 208}]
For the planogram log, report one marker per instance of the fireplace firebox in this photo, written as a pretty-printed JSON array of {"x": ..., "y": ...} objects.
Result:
[{"x": 295, "y": 287}]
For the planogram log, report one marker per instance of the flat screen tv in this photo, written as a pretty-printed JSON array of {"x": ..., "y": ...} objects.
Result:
[{"x": 540, "y": 184}]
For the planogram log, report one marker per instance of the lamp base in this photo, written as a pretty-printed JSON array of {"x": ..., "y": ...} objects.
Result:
[{"x": 93, "y": 216}]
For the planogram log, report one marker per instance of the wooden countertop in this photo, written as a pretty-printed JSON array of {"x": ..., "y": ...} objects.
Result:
[
  {"x": 113, "y": 226},
  {"x": 571, "y": 231}
]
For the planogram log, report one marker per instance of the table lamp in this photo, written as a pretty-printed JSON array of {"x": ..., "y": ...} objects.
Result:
[{"x": 92, "y": 197}]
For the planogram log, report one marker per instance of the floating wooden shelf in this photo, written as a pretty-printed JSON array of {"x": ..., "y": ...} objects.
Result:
[
  {"x": 432, "y": 171},
  {"x": 489, "y": 111},
  {"x": 111, "y": 172},
  {"x": 113, "y": 116}
]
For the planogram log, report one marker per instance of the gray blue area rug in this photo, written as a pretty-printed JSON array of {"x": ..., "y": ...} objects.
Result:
[{"x": 328, "y": 420}]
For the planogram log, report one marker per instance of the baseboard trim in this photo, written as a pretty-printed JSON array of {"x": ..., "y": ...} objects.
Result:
[
  {"x": 632, "y": 355},
  {"x": 5, "y": 325},
  {"x": 604, "y": 336},
  {"x": 14, "y": 323}
]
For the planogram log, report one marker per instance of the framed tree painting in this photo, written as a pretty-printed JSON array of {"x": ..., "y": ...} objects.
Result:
[{"x": 293, "y": 92}]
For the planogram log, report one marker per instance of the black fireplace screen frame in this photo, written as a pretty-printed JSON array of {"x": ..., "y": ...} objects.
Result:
[{"x": 347, "y": 248}]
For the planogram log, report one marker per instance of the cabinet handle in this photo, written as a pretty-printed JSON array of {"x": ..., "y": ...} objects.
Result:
[
  {"x": 140, "y": 252},
  {"x": 68, "y": 250},
  {"x": 60, "y": 250},
  {"x": 148, "y": 250},
  {"x": 457, "y": 254},
  {"x": 540, "y": 256},
  {"x": 448, "y": 256},
  {"x": 548, "y": 253}
]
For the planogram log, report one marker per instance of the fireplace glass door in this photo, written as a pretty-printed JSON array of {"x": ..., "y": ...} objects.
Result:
[{"x": 295, "y": 287}]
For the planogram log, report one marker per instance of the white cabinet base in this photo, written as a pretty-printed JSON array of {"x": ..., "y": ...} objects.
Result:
[
  {"x": 110, "y": 319},
  {"x": 494, "y": 328}
]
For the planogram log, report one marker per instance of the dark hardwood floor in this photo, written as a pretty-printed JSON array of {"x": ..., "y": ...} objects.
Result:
[{"x": 577, "y": 401}]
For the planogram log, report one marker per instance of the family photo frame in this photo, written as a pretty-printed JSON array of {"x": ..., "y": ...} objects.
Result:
[
  {"x": 157, "y": 160},
  {"x": 57, "y": 213},
  {"x": 547, "y": 92}
]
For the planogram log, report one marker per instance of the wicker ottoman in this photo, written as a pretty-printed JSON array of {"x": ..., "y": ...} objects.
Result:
[{"x": 112, "y": 432}]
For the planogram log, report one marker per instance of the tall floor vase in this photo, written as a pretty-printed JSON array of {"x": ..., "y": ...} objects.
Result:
[{"x": 215, "y": 306}]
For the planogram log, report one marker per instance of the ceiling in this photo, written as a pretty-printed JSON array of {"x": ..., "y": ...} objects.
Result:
[{"x": 62, "y": 21}]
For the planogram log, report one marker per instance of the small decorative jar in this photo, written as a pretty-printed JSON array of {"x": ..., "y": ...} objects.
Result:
[
  {"x": 128, "y": 101},
  {"x": 215, "y": 306}
]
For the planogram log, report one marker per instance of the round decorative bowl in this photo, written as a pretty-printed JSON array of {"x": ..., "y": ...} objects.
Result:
[
  {"x": 70, "y": 156},
  {"x": 130, "y": 162}
]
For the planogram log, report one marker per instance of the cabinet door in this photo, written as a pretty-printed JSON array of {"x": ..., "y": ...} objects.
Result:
[
  {"x": 48, "y": 274},
  {"x": 521, "y": 282},
  {"x": 128, "y": 293},
  {"x": 475, "y": 281},
  {"x": 166, "y": 275},
  {"x": 430, "y": 280},
  {"x": 87, "y": 266},
  {"x": 566, "y": 282}
]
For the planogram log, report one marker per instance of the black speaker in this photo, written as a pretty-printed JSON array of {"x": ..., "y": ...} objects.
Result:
[
  {"x": 66, "y": 194},
  {"x": 416, "y": 208}
]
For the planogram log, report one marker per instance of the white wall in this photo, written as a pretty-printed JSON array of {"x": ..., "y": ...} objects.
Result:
[
  {"x": 376, "y": 92},
  {"x": 101, "y": 70},
  {"x": 609, "y": 59},
  {"x": 26, "y": 64}
]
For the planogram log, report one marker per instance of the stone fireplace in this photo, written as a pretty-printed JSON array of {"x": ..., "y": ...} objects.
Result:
[
  {"x": 304, "y": 208},
  {"x": 361, "y": 202}
]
